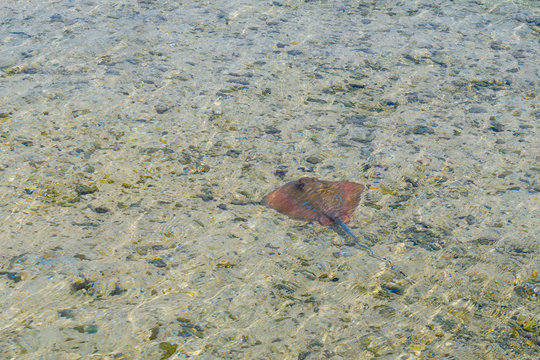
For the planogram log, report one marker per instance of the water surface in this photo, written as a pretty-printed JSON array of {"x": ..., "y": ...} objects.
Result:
[{"x": 137, "y": 140}]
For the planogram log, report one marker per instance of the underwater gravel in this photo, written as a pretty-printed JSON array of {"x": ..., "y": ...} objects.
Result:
[{"x": 138, "y": 138}]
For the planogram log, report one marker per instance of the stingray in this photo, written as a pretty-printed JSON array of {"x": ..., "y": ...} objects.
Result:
[{"x": 328, "y": 202}]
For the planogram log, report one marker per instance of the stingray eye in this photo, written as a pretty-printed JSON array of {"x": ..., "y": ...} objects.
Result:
[{"x": 299, "y": 185}]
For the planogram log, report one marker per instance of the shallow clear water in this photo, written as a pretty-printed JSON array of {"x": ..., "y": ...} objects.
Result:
[{"x": 137, "y": 140}]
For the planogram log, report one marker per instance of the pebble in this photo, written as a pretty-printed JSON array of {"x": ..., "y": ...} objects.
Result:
[
  {"x": 313, "y": 160},
  {"x": 496, "y": 126},
  {"x": 66, "y": 313},
  {"x": 81, "y": 189},
  {"x": 101, "y": 209},
  {"x": 294, "y": 52},
  {"x": 477, "y": 110},
  {"x": 161, "y": 109},
  {"x": 316, "y": 100},
  {"x": 272, "y": 130},
  {"x": 357, "y": 119},
  {"x": 280, "y": 173},
  {"x": 422, "y": 129},
  {"x": 158, "y": 262}
]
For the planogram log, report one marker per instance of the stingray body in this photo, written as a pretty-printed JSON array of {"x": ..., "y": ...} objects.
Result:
[
  {"x": 328, "y": 202},
  {"x": 312, "y": 199}
]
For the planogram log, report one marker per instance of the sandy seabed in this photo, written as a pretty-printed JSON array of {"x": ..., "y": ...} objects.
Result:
[{"x": 138, "y": 139}]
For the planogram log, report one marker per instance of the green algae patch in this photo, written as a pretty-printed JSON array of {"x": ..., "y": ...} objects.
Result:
[{"x": 168, "y": 348}]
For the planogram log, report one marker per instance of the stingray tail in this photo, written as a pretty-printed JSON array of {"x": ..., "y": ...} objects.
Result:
[{"x": 370, "y": 252}]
